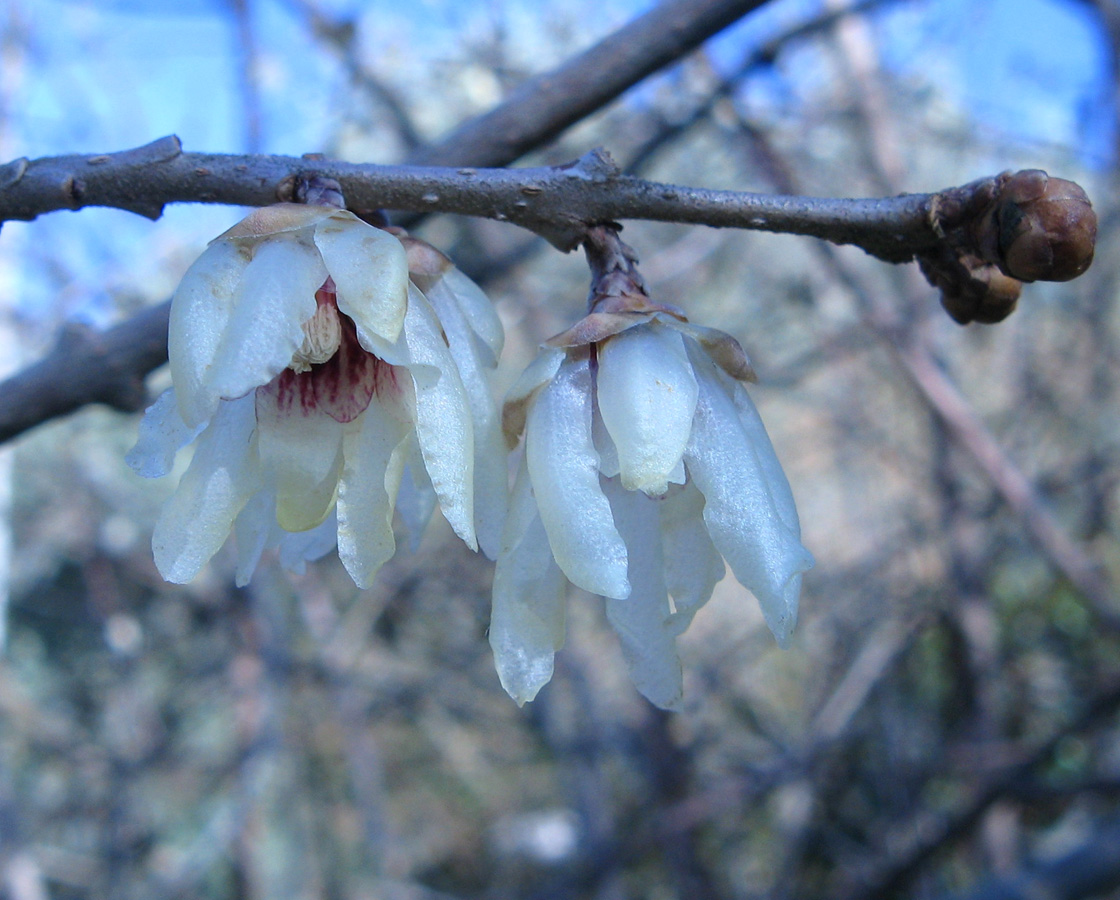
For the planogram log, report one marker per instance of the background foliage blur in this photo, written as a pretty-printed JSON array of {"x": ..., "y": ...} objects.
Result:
[{"x": 946, "y": 722}]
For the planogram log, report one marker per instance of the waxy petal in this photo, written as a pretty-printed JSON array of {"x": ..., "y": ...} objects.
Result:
[
  {"x": 254, "y": 529},
  {"x": 443, "y": 418},
  {"x": 275, "y": 297},
  {"x": 368, "y": 490},
  {"x": 416, "y": 499},
  {"x": 301, "y": 458},
  {"x": 740, "y": 510},
  {"x": 200, "y": 314},
  {"x": 300, "y": 548},
  {"x": 221, "y": 478},
  {"x": 491, "y": 473},
  {"x": 163, "y": 433},
  {"x": 640, "y": 620},
  {"x": 564, "y": 468},
  {"x": 647, "y": 394},
  {"x": 756, "y": 434},
  {"x": 538, "y": 372},
  {"x": 370, "y": 272},
  {"x": 693, "y": 566},
  {"x": 279, "y": 218},
  {"x": 527, "y": 616},
  {"x": 477, "y": 309}
]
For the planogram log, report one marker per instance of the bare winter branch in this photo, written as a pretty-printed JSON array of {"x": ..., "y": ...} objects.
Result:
[{"x": 558, "y": 202}]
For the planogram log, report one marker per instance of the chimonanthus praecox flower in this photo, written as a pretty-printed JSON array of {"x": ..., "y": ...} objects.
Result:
[
  {"x": 646, "y": 466},
  {"x": 325, "y": 390}
]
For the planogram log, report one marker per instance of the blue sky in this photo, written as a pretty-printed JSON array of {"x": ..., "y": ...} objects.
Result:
[{"x": 120, "y": 72}]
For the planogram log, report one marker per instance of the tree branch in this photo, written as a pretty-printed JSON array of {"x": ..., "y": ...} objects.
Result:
[
  {"x": 559, "y": 202},
  {"x": 544, "y": 106},
  {"x": 87, "y": 367}
]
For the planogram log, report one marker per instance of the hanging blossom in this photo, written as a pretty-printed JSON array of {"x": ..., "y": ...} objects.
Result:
[
  {"x": 325, "y": 389},
  {"x": 645, "y": 466}
]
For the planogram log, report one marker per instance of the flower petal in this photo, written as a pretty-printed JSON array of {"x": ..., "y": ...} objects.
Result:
[
  {"x": 163, "y": 433},
  {"x": 477, "y": 309},
  {"x": 564, "y": 468},
  {"x": 516, "y": 407},
  {"x": 693, "y": 566},
  {"x": 299, "y": 548},
  {"x": 253, "y": 530},
  {"x": 772, "y": 469},
  {"x": 200, "y": 316},
  {"x": 743, "y": 519},
  {"x": 301, "y": 458},
  {"x": 640, "y": 620},
  {"x": 223, "y": 475},
  {"x": 647, "y": 394},
  {"x": 604, "y": 445},
  {"x": 275, "y": 297},
  {"x": 279, "y": 218},
  {"x": 527, "y": 617},
  {"x": 416, "y": 500},
  {"x": 443, "y": 419},
  {"x": 368, "y": 490},
  {"x": 370, "y": 272},
  {"x": 491, "y": 472}
]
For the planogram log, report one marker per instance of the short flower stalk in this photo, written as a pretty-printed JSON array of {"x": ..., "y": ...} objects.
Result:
[{"x": 645, "y": 467}]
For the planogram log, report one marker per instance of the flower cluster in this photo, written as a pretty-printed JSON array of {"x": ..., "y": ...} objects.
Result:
[
  {"x": 334, "y": 373},
  {"x": 646, "y": 466},
  {"x": 325, "y": 390}
]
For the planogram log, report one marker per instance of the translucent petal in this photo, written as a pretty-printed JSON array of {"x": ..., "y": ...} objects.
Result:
[
  {"x": 522, "y": 508},
  {"x": 640, "y": 620},
  {"x": 742, "y": 517},
  {"x": 478, "y": 309},
  {"x": 200, "y": 315},
  {"x": 443, "y": 417},
  {"x": 564, "y": 468},
  {"x": 252, "y": 530},
  {"x": 275, "y": 297},
  {"x": 772, "y": 469},
  {"x": 520, "y": 395},
  {"x": 277, "y": 219},
  {"x": 298, "y": 549},
  {"x": 416, "y": 500},
  {"x": 604, "y": 445},
  {"x": 163, "y": 433},
  {"x": 301, "y": 458},
  {"x": 527, "y": 617},
  {"x": 693, "y": 566},
  {"x": 491, "y": 473},
  {"x": 223, "y": 475},
  {"x": 647, "y": 394},
  {"x": 370, "y": 272},
  {"x": 368, "y": 490}
]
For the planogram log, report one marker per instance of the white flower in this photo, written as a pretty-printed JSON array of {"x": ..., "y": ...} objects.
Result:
[
  {"x": 324, "y": 392},
  {"x": 645, "y": 467}
]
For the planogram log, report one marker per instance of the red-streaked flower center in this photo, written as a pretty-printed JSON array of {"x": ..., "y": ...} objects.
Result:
[{"x": 340, "y": 384}]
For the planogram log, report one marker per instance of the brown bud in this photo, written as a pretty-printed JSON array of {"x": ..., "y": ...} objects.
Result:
[
  {"x": 971, "y": 289},
  {"x": 1039, "y": 228}
]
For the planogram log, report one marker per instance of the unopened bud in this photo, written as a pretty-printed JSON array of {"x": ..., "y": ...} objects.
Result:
[
  {"x": 1039, "y": 228},
  {"x": 972, "y": 290}
]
